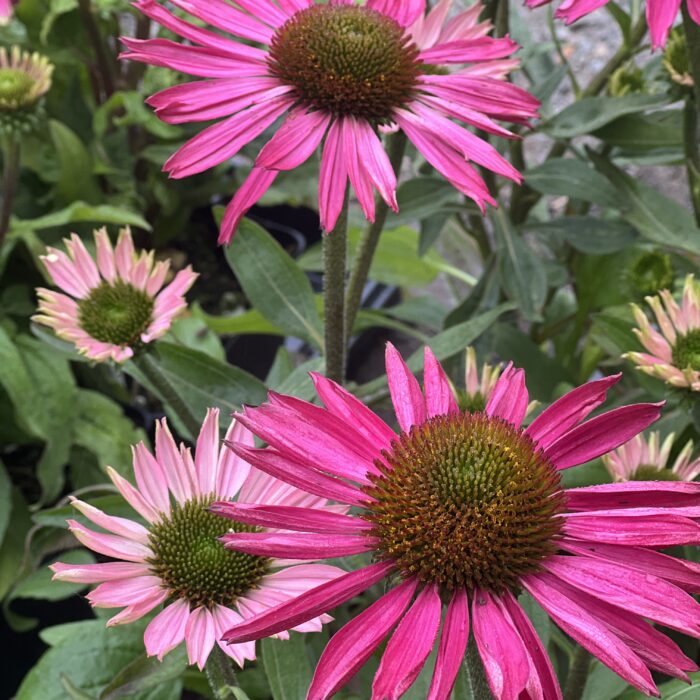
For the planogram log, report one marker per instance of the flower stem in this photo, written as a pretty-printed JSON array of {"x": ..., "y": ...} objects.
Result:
[
  {"x": 9, "y": 184},
  {"x": 578, "y": 675},
  {"x": 98, "y": 44},
  {"x": 475, "y": 673},
  {"x": 692, "y": 111},
  {"x": 148, "y": 364},
  {"x": 369, "y": 241},
  {"x": 335, "y": 253},
  {"x": 220, "y": 674}
]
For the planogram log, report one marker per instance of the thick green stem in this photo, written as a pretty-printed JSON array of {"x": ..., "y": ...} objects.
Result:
[
  {"x": 9, "y": 185},
  {"x": 578, "y": 675},
  {"x": 475, "y": 673},
  {"x": 148, "y": 364},
  {"x": 104, "y": 63},
  {"x": 692, "y": 112},
  {"x": 335, "y": 253},
  {"x": 369, "y": 241},
  {"x": 220, "y": 674}
]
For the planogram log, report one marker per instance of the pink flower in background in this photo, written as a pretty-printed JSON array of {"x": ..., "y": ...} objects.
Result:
[
  {"x": 113, "y": 304},
  {"x": 6, "y": 10},
  {"x": 336, "y": 72},
  {"x": 646, "y": 460},
  {"x": 469, "y": 508},
  {"x": 661, "y": 14},
  {"x": 176, "y": 558},
  {"x": 478, "y": 386},
  {"x": 673, "y": 347}
]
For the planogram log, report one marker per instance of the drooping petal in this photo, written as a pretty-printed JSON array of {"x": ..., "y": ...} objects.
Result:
[
  {"x": 661, "y": 15},
  {"x": 110, "y": 545},
  {"x": 97, "y": 573},
  {"x": 199, "y": 636},
  {"x": 350, "y": 648},
  {"x": 121, "y": 592},
  {"x": 167, "y": 629},
  {"x": 118, "y": 526}
]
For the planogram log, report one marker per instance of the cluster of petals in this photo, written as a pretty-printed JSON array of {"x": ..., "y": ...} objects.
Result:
[
  {"x": 33, "y": 65},
  {"x": 624, "y": 462},
  {"x": 480, "y": 383},
  {"x": 674, "y": 321},
  {"x": 241, "y": 92},
  {"x": 661, "y": 14},
  {"x": 129, "y": 583},
  {"x": 604, "y": 587},
  {"x": 77, "y": 274}
]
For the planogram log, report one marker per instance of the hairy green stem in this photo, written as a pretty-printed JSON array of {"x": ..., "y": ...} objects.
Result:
[
  {"x": 335, "y": 253},
  {"x": 9, "y": 184},
  {"x": 475, "y": 673},
  {"x": 692, "y": 111},
  {"x": 148, "y": 364},
  {"x": 578, "y": 675},
  {"x": 98, "y": 45},
  {"x": 220, "y": 674},
  {"x": 369, "y": 241}
]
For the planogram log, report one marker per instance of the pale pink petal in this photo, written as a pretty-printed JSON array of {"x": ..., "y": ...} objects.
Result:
[
  {"x": 119, "y": 526},
  {"x": 310, "y": 604},
  {"x": 199, "y": 636},
  {"x": 167, "y": 629},
  {"x": 132, "y": 496},
  {"x": 110, "y": 545},
  {"x": 406, "y": 396},
  {"x": 350, "y": 648},
  {"x": 124, "y": 254},
  {"x": 130, "y": 591},
  {"x": 84, "y": 264},
  {"x": 136, "y": 611},
  {"x": 232, "y": 470},
  {"x": 168, "y": 456},
  {"x": 97, "y": 573},
  {"x": 225, "y": 618},
  {"x": 409, "y": 646},
  {"x": 206, "y": 454},
  {"x": 151, "y": 479}
]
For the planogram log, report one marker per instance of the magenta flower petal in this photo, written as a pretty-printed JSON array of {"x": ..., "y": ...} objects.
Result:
[
  {"x": 409, "y": 404},
  {"x": 501, "y": 649},
  {"x": 568, "y": 411},
  {"x": 634, "y": 494},
  {"x": 602, "y": 434},
  {"x": 350, "y": 648},
  {"x": 409, "y": 646},
  {"x": 439, "y": 397},
  {"x": 298, "y": 545},
  {"x": 333, "y": 177},
  {"x": 308, "y": 605},
  {"x": 589, "y": 632},
  {"x": 405, "y": 12},
  {"x": 509, "y": 398},
  {"x": 453, "y": 645}
]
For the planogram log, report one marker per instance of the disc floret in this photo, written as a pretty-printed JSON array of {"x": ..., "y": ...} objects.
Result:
[
  {"x": 346, "y": 60},
  {"x": 466, "y": 500},
  {"x": 194, "y": 565}
]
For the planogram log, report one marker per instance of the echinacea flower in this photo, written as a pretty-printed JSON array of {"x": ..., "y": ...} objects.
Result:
[
  {"x": 24, "y": 77},
  {"x": 468, "y": 508},
  {"x": 338, "y": 71},
  {"x": 176, "y": 558},
  {"x": 673, "y": 351},
  {"x": 6, "y": 10},
  {"x": 478, "y": 386},
  {"x": 661, "y": 14},
  {"x": 646, "y": 460},
  {"x": 114, "y": 305}
]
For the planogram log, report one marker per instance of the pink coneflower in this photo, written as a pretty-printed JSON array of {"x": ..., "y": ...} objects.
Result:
[
  {"x": 646, "y": 460},
  {"x": 24, "y": 77},
  {"x": 674, "y": 349},
  {"x": 468, "y": 508},
  {"x": 478, "y": 386},
  {"x": 338, "y": 71},
  {"x": 661, "y": 14},
  {"x": 6, "y": 10},
  {"x": 176, "y": 557},
  {"x": 113, "y": 305}
]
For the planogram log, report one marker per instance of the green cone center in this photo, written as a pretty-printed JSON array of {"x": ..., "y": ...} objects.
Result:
[
  {"x": 686, "y": 350},
  {"x": 15, "y": 85},
  {"x": 116, "y": 313},
  {"x": 651, "y": 272},
  {"x": 650, "y": 472},
  {"x": 466, "y": 500},
  {"x": 193, "y": 564},
  {"x": 346, "y": 60}
]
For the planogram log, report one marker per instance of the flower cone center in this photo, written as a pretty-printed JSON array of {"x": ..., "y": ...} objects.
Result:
[
  {"x": 650, "y": 472},
  {"x": 116, "y": 313},
  {"x": 193, "y": 564},
  {"x": 346, "y": 60},
  {"x": 15, "y": 86},
  {"x": 686, "y": 351},
  {"x": 466, "y": 500}
]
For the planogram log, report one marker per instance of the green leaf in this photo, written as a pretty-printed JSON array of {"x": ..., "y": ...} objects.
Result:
[
  {"x": 5, "y": 501},
  {"x": 144, "y": 673},
  {"x": 132, "y": 112},
  {"x": 73, "y": 692},
  {"x": 287, "y": 666},
  {"x": 12, "y": 548},
  {"x": 603, "y": 684},
  {"x": 194, "y": 333},
  {"x": 570, "y": 177},
  {"x": 40, "y": 586},
  {"x": 247, "y": 323},
  {"x": 592, "y": 113},
  {"x": 275, "y": 285},
  {"x": 588, "y": 234},
  {"x": 113, "y": 504},
  {"x": 637, "y": 132},
  {"x": 673, "y": 690},
  {"x": 79, "y": 211},
  {"x": 420, "y": 198},
  {"x": 658, "y": 218},
  {"x": 523, "y": 275},
  {"x": 76, "y": 179},
  {"x": 203, "y": 382}
]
